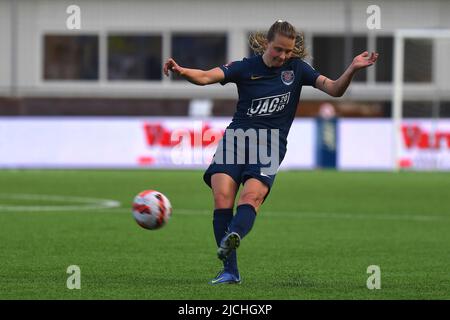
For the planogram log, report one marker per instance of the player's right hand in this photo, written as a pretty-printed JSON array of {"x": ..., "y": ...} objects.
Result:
[
  {"x": 364, "y": 60},
  {"x": 172, "y": 66}
]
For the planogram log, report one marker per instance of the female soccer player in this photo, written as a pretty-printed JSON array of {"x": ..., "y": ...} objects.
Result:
[{"x": 269, "y": 86}]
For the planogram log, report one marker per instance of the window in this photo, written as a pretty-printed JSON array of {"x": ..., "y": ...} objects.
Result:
[
  {"x": 71, "y": 57},
  {"x": 359, "y": 46},
  {"x": 384, "y": 64},
  {"x": 418, "y": 60},
  {"x": 134, "y": 57},
  {"x": 417, "y": 109},
  {"x": 199, "y": 51},
  {"x": 426, "y": 109},
  {"x": 329, "y": 55},
  {"x": 444, "y": 109}
]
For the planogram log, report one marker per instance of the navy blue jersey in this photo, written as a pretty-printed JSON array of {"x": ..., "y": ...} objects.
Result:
[{"x": 268, "y": 96}]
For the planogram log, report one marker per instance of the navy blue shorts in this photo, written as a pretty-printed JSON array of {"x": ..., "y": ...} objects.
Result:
[
  {"x": 246, "y": 159},
  {"x": 239, "y": 172},
  {"x": 242, "y": 172}
]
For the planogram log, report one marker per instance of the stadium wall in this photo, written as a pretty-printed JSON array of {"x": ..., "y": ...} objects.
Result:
[{"x": 5, "y": 48}]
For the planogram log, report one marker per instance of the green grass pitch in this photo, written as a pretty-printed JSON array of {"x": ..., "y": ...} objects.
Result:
[{"x": 313, "y": 239}]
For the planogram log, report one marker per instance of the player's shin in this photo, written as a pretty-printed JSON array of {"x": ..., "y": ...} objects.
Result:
[
  {"x": 221, "y": 222},
  {"x": 243, "y": 221}
]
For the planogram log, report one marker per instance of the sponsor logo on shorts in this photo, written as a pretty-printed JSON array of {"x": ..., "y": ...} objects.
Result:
[{"x": 227, "y": 65}]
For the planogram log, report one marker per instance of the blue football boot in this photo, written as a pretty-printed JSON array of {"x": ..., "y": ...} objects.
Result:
[{"x": 225, "y": 277}]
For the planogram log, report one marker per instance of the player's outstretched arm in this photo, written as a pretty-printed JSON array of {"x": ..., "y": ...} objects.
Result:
[
  {"x": 196, "y": 76},
  {"x": 336, "y": 88}
]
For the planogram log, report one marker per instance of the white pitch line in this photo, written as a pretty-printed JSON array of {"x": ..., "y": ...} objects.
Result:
[
  {"x": 86, "y": 203},
  {"x": 115, "y": 206},
  {"x": 316, "y": 215},
  {"x": 332, "y": 215}
]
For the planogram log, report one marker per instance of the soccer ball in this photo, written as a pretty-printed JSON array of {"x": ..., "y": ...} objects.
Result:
[{"x": 151, "y": 209}]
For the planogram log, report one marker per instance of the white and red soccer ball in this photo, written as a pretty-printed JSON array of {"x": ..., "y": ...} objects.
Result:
[{"x": 151, "y": 209}]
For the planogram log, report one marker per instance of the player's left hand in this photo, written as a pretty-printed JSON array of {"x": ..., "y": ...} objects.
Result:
[{"x": 364, "y": 60}]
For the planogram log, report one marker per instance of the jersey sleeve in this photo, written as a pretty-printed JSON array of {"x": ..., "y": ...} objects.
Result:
[
  {"x": 233, "y": 71},
  {"x": 309, "y": 75}
]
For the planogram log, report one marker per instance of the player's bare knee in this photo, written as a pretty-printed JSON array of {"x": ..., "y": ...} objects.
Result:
[
  {"x": 253, "y": 198},
  {"x": 223, "y": 200}
]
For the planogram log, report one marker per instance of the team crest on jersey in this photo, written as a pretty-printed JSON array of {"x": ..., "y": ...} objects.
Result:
[{"x": 287, "y": 77}]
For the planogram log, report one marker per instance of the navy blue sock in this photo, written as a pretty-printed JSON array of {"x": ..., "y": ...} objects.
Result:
[
  {"x": 243, "y": 221},
  {"x": 221, "y": 222}
]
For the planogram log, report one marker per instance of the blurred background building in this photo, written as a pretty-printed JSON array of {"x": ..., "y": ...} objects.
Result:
[{"x": 112, "y": 65}]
